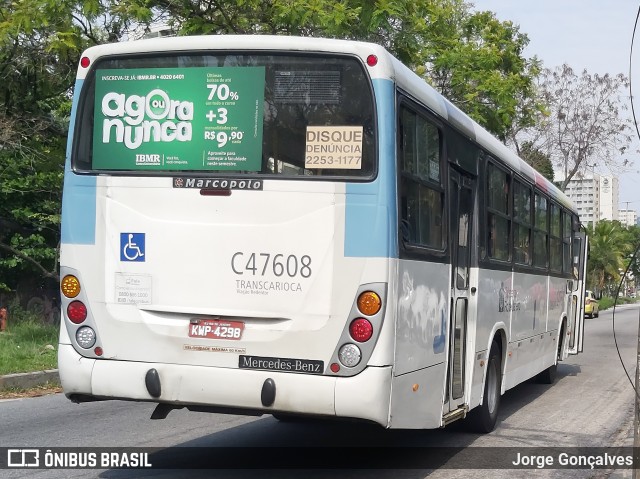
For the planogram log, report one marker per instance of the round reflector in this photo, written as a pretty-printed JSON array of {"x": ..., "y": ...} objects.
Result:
[
  {"x": 349, "y": 355},
  {"x": 86, "y": 337},
  {"x": 372, "y": 60},
  {"x": 76, "y": 312},
  {"x": 70, "y": 286},
  {"x": 369, "y": 303},
  {"x": 98, "y": 351},
  {"x": 361, "y": 330},
  {"x": 85, "y": 62},
  {"x": 335, "y": 367}
]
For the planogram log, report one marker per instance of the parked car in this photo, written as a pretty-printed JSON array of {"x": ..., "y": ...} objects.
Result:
[{"x": 591, "y": 308}]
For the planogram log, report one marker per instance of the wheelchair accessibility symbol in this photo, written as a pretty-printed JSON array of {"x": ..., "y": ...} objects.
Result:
[{"x": 132, "y": 246}]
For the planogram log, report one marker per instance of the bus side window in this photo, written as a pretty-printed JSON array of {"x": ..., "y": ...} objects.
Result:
[
  {"x": 522, "y": 223},
  {"x": 498, "y": 187},
  {"x": 421, "y": 193},
  {"x": 540, "y": 231}
]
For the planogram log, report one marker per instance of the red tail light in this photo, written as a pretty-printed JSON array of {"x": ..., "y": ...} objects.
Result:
[
  {"x": 76, "y": 312},
  {"x": 361, "y": 330}
]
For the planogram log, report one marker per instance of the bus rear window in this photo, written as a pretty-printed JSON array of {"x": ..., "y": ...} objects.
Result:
[{"x": 227, "y": 113}]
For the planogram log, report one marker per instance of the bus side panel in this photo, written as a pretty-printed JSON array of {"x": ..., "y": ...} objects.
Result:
[
  {"x": 532, "y": 306},
  {"x": 557, "y": 302},
  {"x": 528, "y": 300},
  {"x": 421, "y": 325},
  {"x": 418, "y": 407},
  {"x": 420, "y": 349},
  {"x": 492, "y": 288}
]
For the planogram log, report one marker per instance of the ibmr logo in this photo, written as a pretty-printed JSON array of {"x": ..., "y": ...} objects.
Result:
[{"x": 142, "y": 159}]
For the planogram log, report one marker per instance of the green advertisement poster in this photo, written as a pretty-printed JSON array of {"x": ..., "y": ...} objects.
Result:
[{"x": 203, "y": 118}]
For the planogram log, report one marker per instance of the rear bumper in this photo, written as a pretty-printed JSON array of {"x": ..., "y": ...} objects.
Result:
[{"x": 365, "y": 396}]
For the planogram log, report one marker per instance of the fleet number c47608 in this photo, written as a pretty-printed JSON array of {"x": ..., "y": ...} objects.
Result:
[{"x": 262, "y": 264}]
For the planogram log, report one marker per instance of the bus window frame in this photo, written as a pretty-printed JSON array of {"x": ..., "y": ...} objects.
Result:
[
  {"x": 88, "y": 92},
  {"x": 554, "y": 206},
  {"x": 517, "y": 222},
  {"x": 491, "y": 160},
  {"x": 546, "y": 267},
  {"x": 413, "y": 250}
]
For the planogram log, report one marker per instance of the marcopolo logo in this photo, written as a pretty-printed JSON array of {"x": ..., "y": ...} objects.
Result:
[
  {"x": 134, "y": 120},
  {"x": 218, "y": 183}
]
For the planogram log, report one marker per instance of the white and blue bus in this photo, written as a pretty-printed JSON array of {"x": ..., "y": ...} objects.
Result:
[{"x": 303, "y": 226}]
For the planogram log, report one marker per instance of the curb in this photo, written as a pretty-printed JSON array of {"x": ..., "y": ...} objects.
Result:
[{"x": 29, "y": 380}]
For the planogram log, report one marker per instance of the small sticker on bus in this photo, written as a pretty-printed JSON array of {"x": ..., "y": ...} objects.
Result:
[
  {"x": 132, "y": 288},
  {"x": 213, "y": 349},
  {"x": 334, "y": 147}
]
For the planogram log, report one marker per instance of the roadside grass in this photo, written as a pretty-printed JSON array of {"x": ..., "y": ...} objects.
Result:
[
  {"x": 43, "y": 390},
  {"x": 28, "y": 345},
  {"x": 606, "y": 302}
]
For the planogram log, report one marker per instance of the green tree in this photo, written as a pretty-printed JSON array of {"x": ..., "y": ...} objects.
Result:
[
  {"x": 476, "y": 61},
  {"x": 609, "y": 247},
  {"x": 473, "y": 58},
  {"x": 41, "y": 42},
  {"x": 634, "y": 243}
]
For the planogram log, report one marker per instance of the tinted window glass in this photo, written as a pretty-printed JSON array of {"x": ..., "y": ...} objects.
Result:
[
  {"x": 498, "y": 213},
  {"x": 421, "y": 193},
  {"x": 285, "y": 115}
]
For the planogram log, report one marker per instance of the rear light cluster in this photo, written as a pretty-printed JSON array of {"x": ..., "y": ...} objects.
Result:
[
  {"x": 77, "y": 313},
  {"x": 361, "y": 330}
]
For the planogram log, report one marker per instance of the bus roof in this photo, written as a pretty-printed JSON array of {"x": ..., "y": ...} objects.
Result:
[
  {"x": 388, "y": 67},
  {"x": 422, "y": 91}
]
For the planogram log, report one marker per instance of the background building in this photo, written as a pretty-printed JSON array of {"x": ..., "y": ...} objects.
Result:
[
  {"x": 628, "y": 217},
  {"x": 596, "y": 197}
]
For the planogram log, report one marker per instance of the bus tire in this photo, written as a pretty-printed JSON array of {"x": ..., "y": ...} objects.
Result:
[
  {"x": 484, "y": 417},
  {"x": 548, "y": 376}
]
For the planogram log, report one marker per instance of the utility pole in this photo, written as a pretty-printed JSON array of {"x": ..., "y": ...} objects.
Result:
[{"x": 636, "y": 415}]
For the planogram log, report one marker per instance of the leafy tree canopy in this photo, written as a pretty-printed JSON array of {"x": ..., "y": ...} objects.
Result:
[
  {"x": 584, "y": 125},
  {"x": 472, "y": 57},
  {"x": 40, "y": 46},
  {"x": 609, "y": 247}
]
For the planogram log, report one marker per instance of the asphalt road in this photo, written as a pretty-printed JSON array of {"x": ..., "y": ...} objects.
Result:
[{"x": 591, "y": 404}]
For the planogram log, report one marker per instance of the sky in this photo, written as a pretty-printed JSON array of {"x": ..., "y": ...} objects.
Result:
[{"x": 586, "y": 34}]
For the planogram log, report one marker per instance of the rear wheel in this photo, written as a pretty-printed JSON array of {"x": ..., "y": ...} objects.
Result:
[
  {"x": 548, "y": 376},
  {"x": 484, "y": 417}
]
